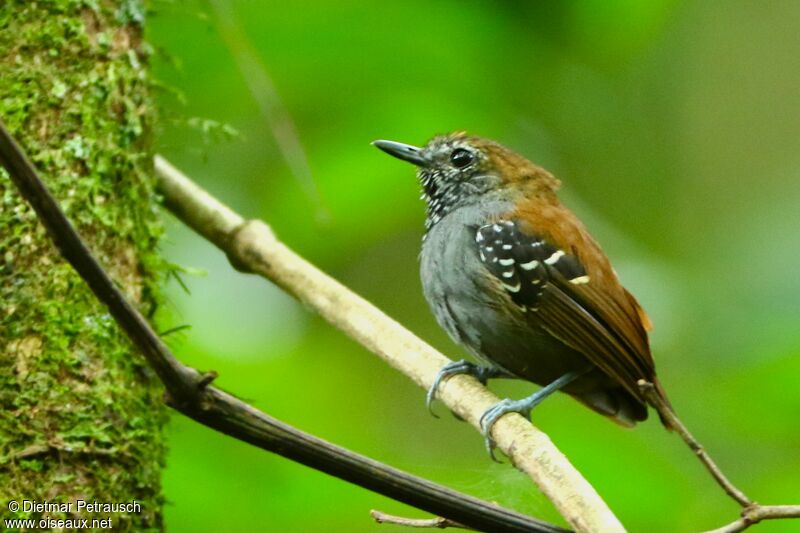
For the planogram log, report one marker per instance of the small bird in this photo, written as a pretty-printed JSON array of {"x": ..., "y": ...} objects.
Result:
[{"x": 514, "y": 276}]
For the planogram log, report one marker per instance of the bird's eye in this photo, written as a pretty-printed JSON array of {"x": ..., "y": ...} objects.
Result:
[{"x": 461, "y": 158}]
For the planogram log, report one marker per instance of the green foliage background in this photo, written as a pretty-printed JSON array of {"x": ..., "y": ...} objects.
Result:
[{"x": 675, "y": 127}]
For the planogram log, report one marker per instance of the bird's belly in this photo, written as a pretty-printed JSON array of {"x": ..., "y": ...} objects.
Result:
[
  {"x": 522, "y": 350},
  {"x": 456, "y": 287}
]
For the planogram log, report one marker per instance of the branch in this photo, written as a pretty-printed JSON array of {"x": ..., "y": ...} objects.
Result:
[
  {"x": 421, "y": 523},
  {"x": 752, "y": 512},
  {"x": 757, "y": 513},
  {"x": 252, "y": 247},
  {"x": 190, "y": 392},
  {"x": 664, "y": 409}
]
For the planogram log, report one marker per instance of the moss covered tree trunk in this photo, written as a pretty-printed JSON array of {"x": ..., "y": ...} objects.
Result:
[{"x": 81, "y": 415}]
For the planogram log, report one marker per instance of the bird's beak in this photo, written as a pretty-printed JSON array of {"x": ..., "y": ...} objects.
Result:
[{"x": 406, "y": 152}]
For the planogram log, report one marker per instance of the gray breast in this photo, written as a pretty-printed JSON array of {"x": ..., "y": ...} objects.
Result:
[
  {"x": 453, "y": 276},
  {"x": 457, "y": 288}
]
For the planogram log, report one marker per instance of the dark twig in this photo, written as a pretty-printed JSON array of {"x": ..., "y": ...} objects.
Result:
[
  {"x": 189, "y": 391},
  {"x": 179, "y": 380},
  {"x": 420, "y": 523},
  {"x": 752, "y": 512}
]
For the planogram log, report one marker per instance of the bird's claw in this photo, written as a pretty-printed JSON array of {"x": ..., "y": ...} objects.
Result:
[
  {"x": 450, "y": 369},
  {"x": 481, "y": 373},
  {"x": 523, "y": 406},
  {"x": 494, "y": 413}
]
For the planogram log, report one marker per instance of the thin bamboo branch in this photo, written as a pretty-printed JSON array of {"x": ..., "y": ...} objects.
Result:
[{"x": 252, "y": 247}]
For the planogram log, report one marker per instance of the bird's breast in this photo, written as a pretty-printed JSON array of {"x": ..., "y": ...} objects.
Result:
[{"x": 469, "y": 304}]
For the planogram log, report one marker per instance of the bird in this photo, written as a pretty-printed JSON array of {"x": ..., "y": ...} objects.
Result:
[{"x": 513, "y": 276}]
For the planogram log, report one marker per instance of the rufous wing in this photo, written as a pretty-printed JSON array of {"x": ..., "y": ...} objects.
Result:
[{"x": 569, "y": 289}]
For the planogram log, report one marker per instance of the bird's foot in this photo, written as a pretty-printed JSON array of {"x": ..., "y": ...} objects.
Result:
[
  {"x": 523, "y": 407},
  {"x": 503, "y": 407},
  {"x": 481, "y": 373}
]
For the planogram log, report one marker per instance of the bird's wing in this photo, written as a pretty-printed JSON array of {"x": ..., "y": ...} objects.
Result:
[{"x": 584, "y": 307}]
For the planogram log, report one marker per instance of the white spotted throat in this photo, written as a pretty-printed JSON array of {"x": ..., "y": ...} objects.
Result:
[{"x": 515, "y": 277}]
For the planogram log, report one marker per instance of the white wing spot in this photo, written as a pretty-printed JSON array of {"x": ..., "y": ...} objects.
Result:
[
  {"x": 553, "y": 259},
  {"x": 580, "y": 280},
  {"x": 529, "y": 265},
  {"x": 512, "y": 288},
  {"x": 508, "y": 274},
  {"x": 506, "y": 262},
  {"x": 507, "y": 247},
  {"x": 479, "y": 237}
]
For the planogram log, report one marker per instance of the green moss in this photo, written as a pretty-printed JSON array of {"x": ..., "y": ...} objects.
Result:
[{"x": 81, "y": 414}]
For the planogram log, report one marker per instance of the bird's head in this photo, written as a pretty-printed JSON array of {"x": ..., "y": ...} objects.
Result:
[{"x": 458, "y": 169}]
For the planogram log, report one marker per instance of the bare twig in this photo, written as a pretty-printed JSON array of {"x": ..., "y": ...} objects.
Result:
[
  {"x": 264, "y": 92},
  {"x": 752, "y": 512},
  {"x": 755, "y": 514},
  {"x": 252, "y": 247},
  {"x": 420, "y": 523},
  {"x": 657, "y": 401},
  {"x": 189, "y": 391}
]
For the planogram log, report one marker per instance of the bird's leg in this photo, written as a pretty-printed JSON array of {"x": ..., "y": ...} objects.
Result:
[
  {"x": 481, "y": 373},
  {"x": 523, "y": 407}
]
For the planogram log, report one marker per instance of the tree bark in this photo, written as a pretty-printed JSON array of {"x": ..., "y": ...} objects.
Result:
[{"x": 81, "y": 415}]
